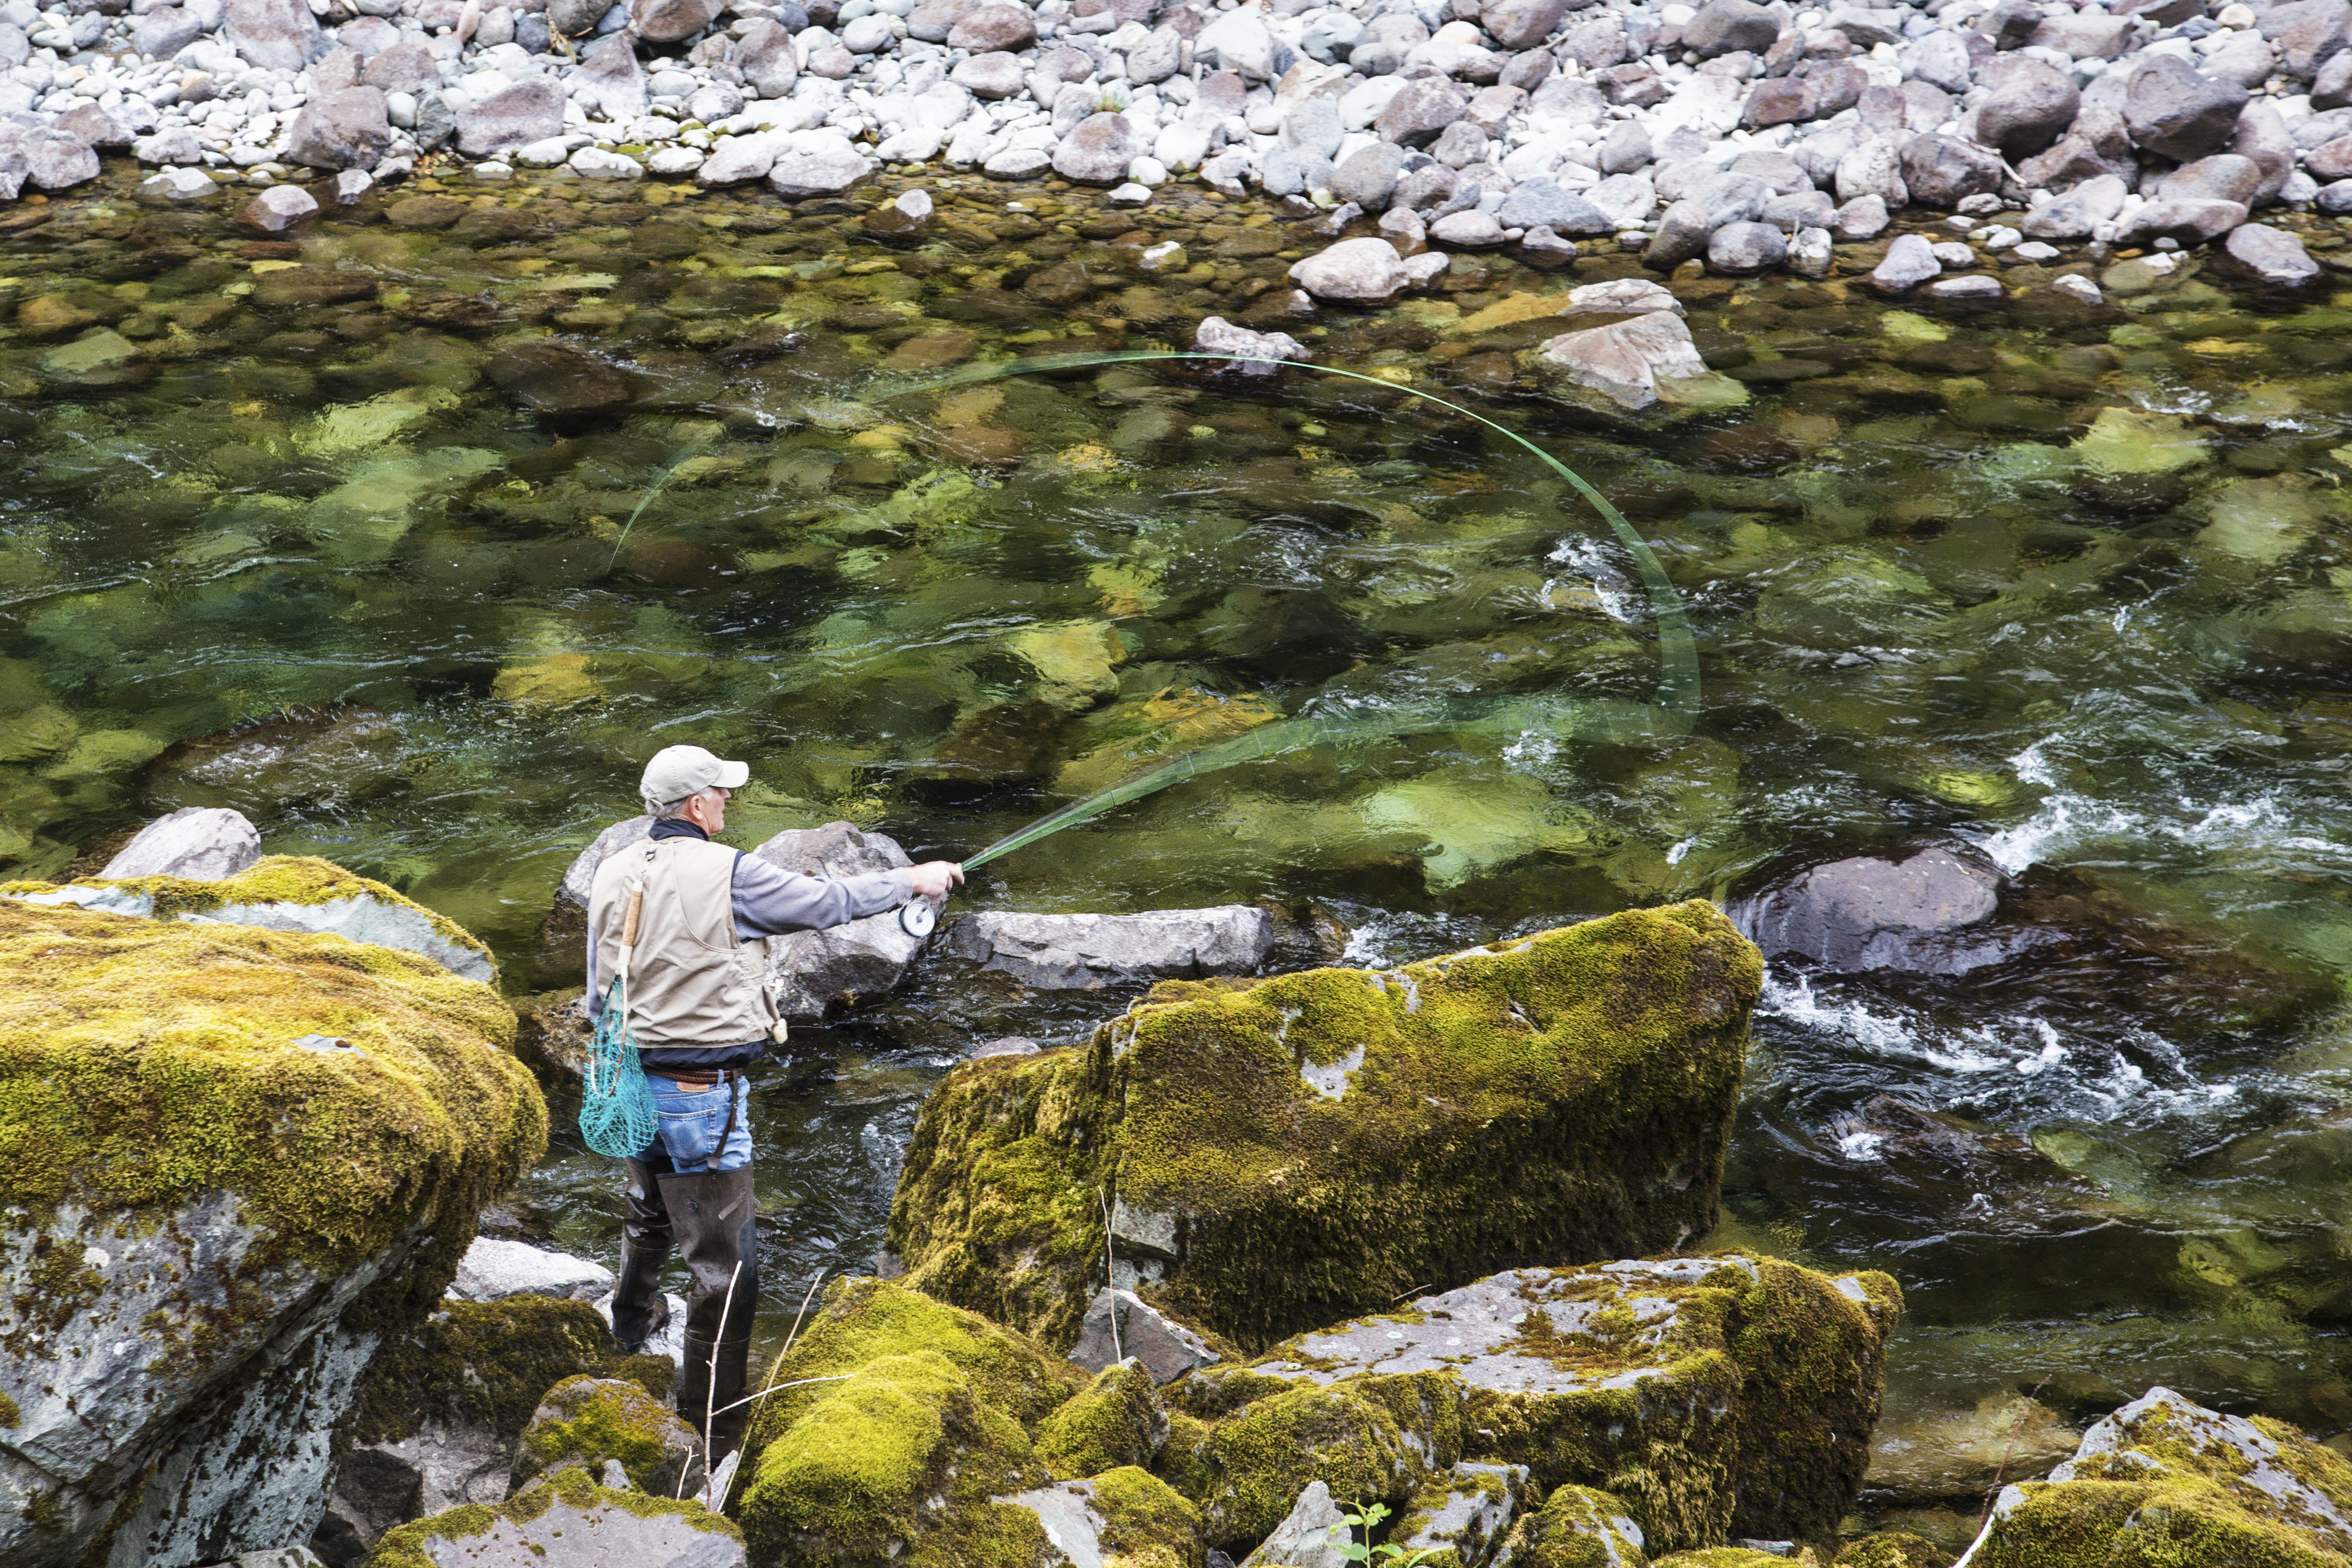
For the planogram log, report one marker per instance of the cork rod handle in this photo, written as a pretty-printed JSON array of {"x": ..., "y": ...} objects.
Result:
[{"x": 629, "y": 926}]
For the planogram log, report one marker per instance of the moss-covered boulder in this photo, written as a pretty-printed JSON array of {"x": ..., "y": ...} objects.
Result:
[
  {"x": 442, "y": 1414},
  {"x": 1576, "y": 1528},
  {"x": 280, "y": 893},
  {"x": 1718, "y": 1398},
  {"x": 1893, "y": 1549},
  {"x": 567, "y": 1521},
  {"x": 1116, "y": 1421},
  {"x": 1287, "y": 1152},
  {"x": 1737, "y": 1557},
  {"x": 1463, "y": 1515},
  {"x": 925, "y": 1416},
  {"x": 583, "y": 1422},
  {"x": 237, "y": 1161},
  {"x": 2165, "y": 1481},
  {"x": 1124, "y": 1518}
]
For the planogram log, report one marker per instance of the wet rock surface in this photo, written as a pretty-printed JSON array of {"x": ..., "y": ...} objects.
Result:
[{"x": 1082, "y": 952}]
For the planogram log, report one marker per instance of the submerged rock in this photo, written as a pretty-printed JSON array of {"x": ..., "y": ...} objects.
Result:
[
  {"x": 1082, "y": 952},
  {"x": 1726, "y": 1395},
  {"x": 1871, "y": 914},
  {"x": 569, "y": 1522},
  {"x": 1632, "y": 364},
  {"x": 2164, "y": 1474},
  {"x": 207, "y": 1115},
  {"x": 1250, "y": 1125}
]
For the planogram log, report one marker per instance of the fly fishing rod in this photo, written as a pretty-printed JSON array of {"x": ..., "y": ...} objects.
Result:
[{"x": 1673, "y": 715}]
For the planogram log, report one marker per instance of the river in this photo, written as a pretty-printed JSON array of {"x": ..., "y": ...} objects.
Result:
[{"x": 338, "y": 530}]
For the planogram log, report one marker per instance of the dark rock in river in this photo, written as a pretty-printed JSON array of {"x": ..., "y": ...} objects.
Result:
[{"x": 1870, "y": 914}]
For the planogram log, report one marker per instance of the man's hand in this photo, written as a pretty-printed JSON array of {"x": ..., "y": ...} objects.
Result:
[{"x": 934, "y": 878}]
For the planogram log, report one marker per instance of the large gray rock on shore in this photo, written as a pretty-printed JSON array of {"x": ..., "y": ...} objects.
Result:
[
  {"x": 1119, "y": 1324},
  {"x": 2032, "y": 105},
  {"x": 580, "y": 877},
  {"x": 1864, "y": 914},
  {"x": 57, "y": 160},
  {"x": 494, "y": 1271},
  {"x": 515, "y": 116},
  {"x": 671, "y": 21},
  {"x": 2272, "y": 255},
  {"x": 199, "y": 843},
  {"x": 1722, "y": 26},
  {"x": 1080, "y": 952},
  {"x": 823, "y": 173},
  {"x": 344, "y": 130},
  {"x": 609, "y": 82},
  {"x": 275, "y": 35},
  {"x": 1944, "y": 170},
  {"x": 2175, "y": 109},
  {"x": 1098, "y": 150},
  {"x": 2079, "y": 212},
  {"x": 570, "y": 1522},
  {"x": 809, "y": 970},
  {"x": 2187, "y": 219}
]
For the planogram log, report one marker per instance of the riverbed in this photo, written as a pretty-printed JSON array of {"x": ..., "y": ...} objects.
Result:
[{"x": 410, "y": 536}]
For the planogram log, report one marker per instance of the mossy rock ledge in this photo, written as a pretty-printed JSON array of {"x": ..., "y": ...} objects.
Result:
[
  {"x": 1290, "y": 1152},
  {"x": 233, "y": 1161},
  {"x": 567, "y": 1519},
  {"x": 2165, "y": 1481},
  {"x": 1715, "y": 1398},
  {"x": 939, "y": 1440}
]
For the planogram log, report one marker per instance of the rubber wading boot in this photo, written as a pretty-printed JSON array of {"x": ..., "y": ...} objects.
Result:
[
  {"x": 714, "y": 1217},
  {"x": 639, "y": 1309}
]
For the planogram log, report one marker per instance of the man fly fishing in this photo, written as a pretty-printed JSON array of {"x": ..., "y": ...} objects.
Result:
[{"x": 694, "y": 916}]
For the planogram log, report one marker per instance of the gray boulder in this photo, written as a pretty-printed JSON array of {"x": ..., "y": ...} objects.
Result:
[
  {"x": 1863, "y": 218},
  {"x": 1098, "y": 151},
  {"x": 609, "y": 82},
  {"x": 1865, "y": 913},
  {"x": 827, "y": 173},
  {"x": 2262, "y": 136},
  {"x": 763, "y": 53},
  {"x": 589, "y": 1423},
  {"x": 2224, "y": 176},
  {"x": 2307, "y": 34},
  {"x": 515, "y": 116},
  {"x": 2173, "y": 109},
  {"x": 1421, "y": 109},
  {"x": 1253, "y": 353},
  {"x": 2272, "y": 255},
  {"x": 809, "y": 970},
  {"x": 1081, "y": 952},
  {"x": 1683, "y": 233},
  {"x": 1545, "y": 204},
  {"x": 1119, "y": 1324},
  {"x": 197, "y": 843},
  {"x": 164, "y": 32},
  {"x": 1520, "y": 23},
  {"x": 344, "y": 130},
  {"x": 1369, "y": 176},
  {"x": 57, "y": 160},
  {"x": 493, "y": 1271},
  {"x": 2078, "y": 213},
  {"x": 403, "y": 67},
  {"x": 2186, "y": 220},
  {"x": 580, "y": 877},
  {"x": 671, "y": 21},
  {"x": 1722, "y": 26},
  {"x": 987, "y": 28},
  {"x": 2032, "y": 105},
  {"x": 1944, "y": 170},
  {"x": 575, "y": 18},
  {"x": 1364, "y": 271},
  {"x": 1910, "y": 262},
  {"x": 275, "y": 35},
  {"x": 2334, "y": 197},
  {"x": 280, "y": 209},
  {"x": 572, "y": 1521},
  {"x": 1941, "y": 60},
  {"x": 1313, "y": 1534},
  {"x": 1743, "y": 249}
]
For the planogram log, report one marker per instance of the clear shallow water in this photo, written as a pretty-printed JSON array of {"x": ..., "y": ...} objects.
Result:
[{"x": 347, "y": 549}]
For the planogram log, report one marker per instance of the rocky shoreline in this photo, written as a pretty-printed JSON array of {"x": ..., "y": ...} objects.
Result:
[{"x": 1745, "y": 137}]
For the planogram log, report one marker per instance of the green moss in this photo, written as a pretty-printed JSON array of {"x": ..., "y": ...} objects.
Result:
[
  {"x": 1735, "y": 1557},
  {"x": 1894, "y": 1549},
  {"x": 408, "y": 1546},
  {"x": 1145, "y": 1523},
  {"x": 1347, "y": 1437},
  {"x": 928, "y": 1421},
  {"x": 1450, "y": 1540},
  {"x": 586, "y": 1419},
  {"x": 144, "y": 1062},
  {"x": 1185, "y": 1456},
  {"x": 1576, "y": 1528},
  {"x": 1115, "y": 1421},
  {"x": 9, "y": 1413},
  {"x": 1563, "y": 1095},
  {"x": 491, "y": 1363}
]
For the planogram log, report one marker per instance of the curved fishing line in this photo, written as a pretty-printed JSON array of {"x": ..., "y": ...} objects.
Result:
[
  {"x": 1678, "y": 688},
  {"x": 691, "y": 450}
]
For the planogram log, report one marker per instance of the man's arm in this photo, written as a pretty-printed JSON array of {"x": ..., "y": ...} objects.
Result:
[{"x": 770, "y": 900}]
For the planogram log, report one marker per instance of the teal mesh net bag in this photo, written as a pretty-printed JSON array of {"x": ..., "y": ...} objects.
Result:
[{"x": 617, "y": 1117}]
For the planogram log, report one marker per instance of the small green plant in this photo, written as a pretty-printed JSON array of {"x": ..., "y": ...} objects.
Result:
[{"x": 1365, "y": 1518}]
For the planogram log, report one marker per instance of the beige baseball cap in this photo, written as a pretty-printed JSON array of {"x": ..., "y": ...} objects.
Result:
[{"x": 677, "y": 771}]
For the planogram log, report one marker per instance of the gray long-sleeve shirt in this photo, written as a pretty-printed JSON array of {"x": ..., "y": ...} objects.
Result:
[{"x": 770, "y": 902}]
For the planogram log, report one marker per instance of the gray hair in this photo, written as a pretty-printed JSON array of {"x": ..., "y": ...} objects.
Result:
[{"x": 672, "y": 809}]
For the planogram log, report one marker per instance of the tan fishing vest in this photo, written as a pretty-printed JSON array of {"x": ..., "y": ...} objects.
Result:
[{"x": 691, "y": 983}]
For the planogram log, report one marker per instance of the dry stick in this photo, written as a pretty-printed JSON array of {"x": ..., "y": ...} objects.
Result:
[
  {"x": 778, "y": 1365},
  {"x": 710, "y": 1381},
  {"x": 796, "y": 1383},
  {"x": 1110, "y": 1276},
  {"x": 2002, "y": 1469}
]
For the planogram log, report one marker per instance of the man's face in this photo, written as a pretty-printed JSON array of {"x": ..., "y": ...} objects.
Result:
[{"x": 709, "y": 810}]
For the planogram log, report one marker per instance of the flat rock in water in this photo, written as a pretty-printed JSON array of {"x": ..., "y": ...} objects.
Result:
[
  {"x": 1362, "y": 270},
  {"x": 492, "y": 1270},
  {"x": 1626, "y": 360},
  {"x": 2272, "y": 255},
  {"x": 1871, "y": 914},
  {"x": 196, "y": 843},
  {"x": 1080, "y": 952}
]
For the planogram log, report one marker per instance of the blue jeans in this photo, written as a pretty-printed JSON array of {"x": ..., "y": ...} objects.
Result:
[{"x": 691, "y": 1122}]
